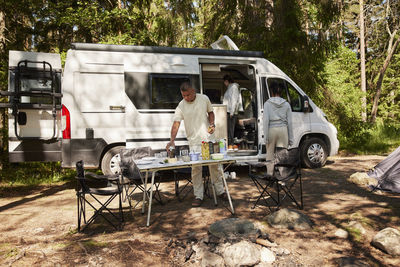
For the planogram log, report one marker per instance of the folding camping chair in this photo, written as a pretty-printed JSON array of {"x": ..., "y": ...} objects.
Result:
[
  {"x": 275, "y": 188},
  {"x": 131, "y": 178},
  {"x": 97, "y": 187}
]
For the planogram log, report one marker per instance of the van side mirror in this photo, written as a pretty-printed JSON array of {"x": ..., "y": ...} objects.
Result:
[{"x": 305, "y": 104}]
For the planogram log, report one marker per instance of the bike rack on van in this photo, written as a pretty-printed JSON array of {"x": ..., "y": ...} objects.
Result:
[{"x": 45, "y": 73}]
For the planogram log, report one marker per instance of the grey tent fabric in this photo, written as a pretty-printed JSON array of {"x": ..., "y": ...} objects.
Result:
[{"x": 387, "y": 172}]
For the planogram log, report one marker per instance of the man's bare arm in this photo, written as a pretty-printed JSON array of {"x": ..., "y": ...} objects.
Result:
[{"x": 174, "y": 132}]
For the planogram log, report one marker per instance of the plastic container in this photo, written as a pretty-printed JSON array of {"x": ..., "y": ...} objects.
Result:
[
  {"x": 194, "y": 156},
  {"x": 217, "y": 156}
]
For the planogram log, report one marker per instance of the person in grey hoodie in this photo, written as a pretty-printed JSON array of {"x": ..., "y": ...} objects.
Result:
[{"x": 277, "y": 124}]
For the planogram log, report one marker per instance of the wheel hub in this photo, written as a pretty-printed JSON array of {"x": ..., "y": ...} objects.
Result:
[
  {"x": 316, "y": 153},
  {"x": 114, "y": 164}
]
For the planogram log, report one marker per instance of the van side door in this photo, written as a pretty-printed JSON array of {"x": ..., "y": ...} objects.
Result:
[{"x": 300, "y": 119}]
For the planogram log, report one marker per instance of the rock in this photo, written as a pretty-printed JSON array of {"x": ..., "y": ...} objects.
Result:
[
  {"x": 358, "y": 226},
  {"x": 351, "y": 262},
  {"x": 200, "y": 250},
  {"x": 341, "y": 233},
  {"x": 243, "y": 253},
  {"x": 362, "y": 178},
  {"x": 233, "y": 228},
  {"x": 38, "y": 230},
  {"x": 281, "y": 251},
  {"x": 210, "y": 259},
  {"x": 291, "y": 219},
  {"x": 266, "y": 256},
  {"x": 388, "y": 240}
]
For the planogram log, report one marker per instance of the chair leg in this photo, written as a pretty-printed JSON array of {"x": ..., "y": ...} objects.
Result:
[{"x": 99, "y": 211}]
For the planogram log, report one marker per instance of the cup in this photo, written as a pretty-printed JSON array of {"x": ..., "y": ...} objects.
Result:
[
  {"x": 164, "y": 154},
  {"x": 184, "y": 152}
]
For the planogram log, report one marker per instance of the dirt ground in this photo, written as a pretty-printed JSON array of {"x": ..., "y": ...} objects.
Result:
[{"x": 38, "y": 226}]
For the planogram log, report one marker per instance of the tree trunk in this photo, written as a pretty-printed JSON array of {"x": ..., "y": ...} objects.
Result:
[
  {"x": 382, "y": 71},
  {"x": 362, "y": 58}
]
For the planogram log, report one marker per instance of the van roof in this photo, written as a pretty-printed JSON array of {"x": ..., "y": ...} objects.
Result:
[{"x": 164, "y": 50}]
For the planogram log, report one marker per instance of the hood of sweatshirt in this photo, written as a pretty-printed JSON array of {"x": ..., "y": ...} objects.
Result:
[{"x": 277, "y": 101}]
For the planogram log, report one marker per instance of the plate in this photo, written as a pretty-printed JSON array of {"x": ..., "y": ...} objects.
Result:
[
  {"x": 148, "y": 158},
  {"x": 143, "y": 162}
]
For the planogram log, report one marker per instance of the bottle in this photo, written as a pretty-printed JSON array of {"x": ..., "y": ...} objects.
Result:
[
  {"x": 211, "y": 147},
  {"x": 172, "y": 152},
  {"x": 222, "y": 147},
  {"x": 205, "y": 150}
]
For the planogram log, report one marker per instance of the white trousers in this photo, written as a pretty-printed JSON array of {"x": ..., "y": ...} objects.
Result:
[
  {"x": 216, "y": 173},
  {"x": 277, "y": 137}
]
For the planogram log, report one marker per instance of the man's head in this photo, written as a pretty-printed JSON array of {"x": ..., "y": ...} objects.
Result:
[
  {"x": 228, "y": 79},
  {"x": 188, "y": 92}
]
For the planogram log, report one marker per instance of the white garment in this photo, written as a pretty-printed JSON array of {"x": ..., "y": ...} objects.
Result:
[
  {"x": 232, "y": 99},
  {"x": 195, "y": 115},
  {"x": 216, "y": 173},
  {"x": 278, "y": 137}
]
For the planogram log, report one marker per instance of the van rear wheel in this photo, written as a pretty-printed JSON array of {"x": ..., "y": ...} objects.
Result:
[
  {"x": 314, "y": 153},
  {"x": 110, "y": 161}
]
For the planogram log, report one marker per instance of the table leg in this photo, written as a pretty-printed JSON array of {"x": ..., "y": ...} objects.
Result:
[
  {"x": 145, "y": 191},
  {"x": 229, "y": 195},
  {"x": 150, "y": 198}
]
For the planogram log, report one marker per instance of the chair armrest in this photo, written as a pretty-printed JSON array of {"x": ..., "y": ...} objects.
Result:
[
  {"x": 114, "y": 177},
  {"x": 256, "y": 164}
]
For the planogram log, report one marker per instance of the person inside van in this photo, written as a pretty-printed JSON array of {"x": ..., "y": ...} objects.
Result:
[
  {"x": 196, "y": 111},
  {"x": 277, "y": 124},
  {"x": 232, "y": 101}
]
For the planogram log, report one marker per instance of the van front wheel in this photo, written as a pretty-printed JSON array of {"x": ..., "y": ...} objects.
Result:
[
  {"x": 314, "y": 153},
  {"x": 110, "y": 161}
]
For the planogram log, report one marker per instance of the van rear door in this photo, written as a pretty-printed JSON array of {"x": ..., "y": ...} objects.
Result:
[{"x": 34, "y": 93}]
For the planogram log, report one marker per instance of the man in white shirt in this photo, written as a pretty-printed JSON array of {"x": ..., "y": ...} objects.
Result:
[
  {"x": 196, "y": 111},
  {"x": 232, "y": 101}
]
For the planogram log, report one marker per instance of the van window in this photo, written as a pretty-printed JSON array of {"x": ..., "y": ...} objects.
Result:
[
  {"x": 165, "y": 92},
  {"x": 288, "y": 92},
  {"x": 156, "y": 90},
  {"x": 294, "y": 98}
]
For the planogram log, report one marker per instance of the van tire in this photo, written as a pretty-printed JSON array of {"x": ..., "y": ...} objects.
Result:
[
  {"x": 314, "y": 153},
  {"x": 110, "y": 161}
]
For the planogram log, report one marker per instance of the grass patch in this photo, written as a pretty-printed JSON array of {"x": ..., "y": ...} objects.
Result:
[
  {"x": 380, "y": 138},
  {"x": 354, "y": 233},
  {"x": 7, "y": 250},
  {"x": 35, "y": 173},
  {"x": 93, "y": 244}
]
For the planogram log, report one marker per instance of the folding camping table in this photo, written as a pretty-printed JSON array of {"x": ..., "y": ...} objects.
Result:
[{"x": 157, "y": 165}]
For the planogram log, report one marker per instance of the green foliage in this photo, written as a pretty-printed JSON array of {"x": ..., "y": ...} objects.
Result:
[{"x": 34, "y": 173}]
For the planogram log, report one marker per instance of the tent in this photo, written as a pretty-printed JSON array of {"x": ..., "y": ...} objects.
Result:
[{"x": 387, "y": 172}]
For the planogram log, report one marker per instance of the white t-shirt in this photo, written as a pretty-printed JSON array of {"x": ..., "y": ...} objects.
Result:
[{"x": 195, "y": 116}]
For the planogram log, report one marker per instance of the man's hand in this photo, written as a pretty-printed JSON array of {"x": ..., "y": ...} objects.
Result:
[
  {"x": 211, "y": 129},
  {"x": 170, "y": 143}
]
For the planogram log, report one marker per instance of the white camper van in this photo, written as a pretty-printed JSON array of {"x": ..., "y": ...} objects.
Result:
[{"x": 111, "y": 96}]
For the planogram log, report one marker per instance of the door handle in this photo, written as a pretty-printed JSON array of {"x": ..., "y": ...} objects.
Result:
[{"x": 117, "y": 108}]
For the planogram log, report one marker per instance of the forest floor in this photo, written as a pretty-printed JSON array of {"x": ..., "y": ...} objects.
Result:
[{"x": 38, "y": 225}]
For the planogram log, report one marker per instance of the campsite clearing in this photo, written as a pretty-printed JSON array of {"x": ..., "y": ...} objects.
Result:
[{"x": 39, "y": 225}]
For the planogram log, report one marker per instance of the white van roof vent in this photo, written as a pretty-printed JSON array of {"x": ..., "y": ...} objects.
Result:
[{"x": 224, "y": 43}]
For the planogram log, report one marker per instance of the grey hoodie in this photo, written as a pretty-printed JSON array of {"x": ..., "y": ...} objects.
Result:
[{"x": 278, "y": 113}]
